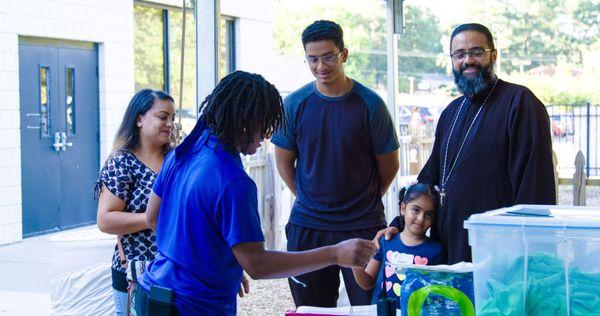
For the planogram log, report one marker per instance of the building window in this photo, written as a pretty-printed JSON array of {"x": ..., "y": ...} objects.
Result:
[
  {"x": 189, "y": 70},
  {"x": 157, "y": 46},
  {"x": 226, "y": 46},
  {"x": 149, "y": 48}
]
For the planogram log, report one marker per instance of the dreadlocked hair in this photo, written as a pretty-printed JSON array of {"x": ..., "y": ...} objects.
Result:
[{"x": 240, "y": 104}]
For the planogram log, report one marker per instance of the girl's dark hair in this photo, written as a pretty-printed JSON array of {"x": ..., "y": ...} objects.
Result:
[
  {"x": 128, "y": 135},
  {"x": 323, "y": 30},
  {"x": 240, "y": 104},
  {"x": 415, "y": 191}
]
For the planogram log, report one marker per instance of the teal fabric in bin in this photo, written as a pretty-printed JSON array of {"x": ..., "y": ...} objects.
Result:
[{"x": 545, "y": 293}]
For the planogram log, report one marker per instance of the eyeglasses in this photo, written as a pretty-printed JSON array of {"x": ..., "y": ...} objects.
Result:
[
  {"x": 474, "y": 53},
  {"x": 329, "y": 59}
]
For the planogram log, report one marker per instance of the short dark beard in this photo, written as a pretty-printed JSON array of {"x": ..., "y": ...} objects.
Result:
[{"x": 475, "y": 84}]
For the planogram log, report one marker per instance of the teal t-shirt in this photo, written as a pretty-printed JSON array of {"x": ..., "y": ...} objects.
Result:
[{"x": 337, "y": 140}]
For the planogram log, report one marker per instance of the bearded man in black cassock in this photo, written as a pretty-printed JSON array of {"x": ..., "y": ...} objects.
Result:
[{"x": 492, "y": 145}]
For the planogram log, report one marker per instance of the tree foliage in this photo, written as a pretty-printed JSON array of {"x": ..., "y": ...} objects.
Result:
[
  {"x": 531, "y": 35},
  {"x": 364, "y": 24},
  {"x": 148, "y": 46}
]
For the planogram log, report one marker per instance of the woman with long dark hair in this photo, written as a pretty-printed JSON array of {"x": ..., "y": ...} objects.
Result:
[
  {"x": 124, "y": 184},
  {"x": 209, "y": 228}
]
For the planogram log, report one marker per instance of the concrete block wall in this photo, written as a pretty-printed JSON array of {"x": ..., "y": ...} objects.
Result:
[
  {"x": 10, "y": 147},
  {"x": 108, "y": 23}
]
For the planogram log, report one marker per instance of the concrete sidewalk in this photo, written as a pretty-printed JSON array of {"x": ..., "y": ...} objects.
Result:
[{"x": 29, "y": 268}]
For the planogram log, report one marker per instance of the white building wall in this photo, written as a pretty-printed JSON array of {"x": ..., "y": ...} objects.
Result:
[
  {"x": 254, "y": 33},
  {"x": 10, "y": 154},
  {"x": 108, "y": 23}
]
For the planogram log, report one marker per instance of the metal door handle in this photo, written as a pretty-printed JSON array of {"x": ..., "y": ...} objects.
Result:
[
  {"x": 57, "y": 143},
  {"x": 64, "y": 143}
]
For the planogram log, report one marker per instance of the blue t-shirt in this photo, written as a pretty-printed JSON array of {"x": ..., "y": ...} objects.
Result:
[
  {"x": 336, "y": 140},
  {"x": 428, "y": 253},
  {"x": 209, "y": 205}
]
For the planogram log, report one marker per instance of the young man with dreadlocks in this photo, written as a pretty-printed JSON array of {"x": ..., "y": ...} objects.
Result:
[
  {"x": 209, "y": 228},
  {"x": 338, "y": 154}
]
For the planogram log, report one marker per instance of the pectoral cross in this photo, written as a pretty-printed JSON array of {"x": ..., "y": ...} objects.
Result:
[{"x": 442, "y": 196}]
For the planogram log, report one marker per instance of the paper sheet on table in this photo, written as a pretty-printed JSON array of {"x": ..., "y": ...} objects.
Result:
[
  {"x": 461, "y": 267},
  {"x": 362, "y": 310}
]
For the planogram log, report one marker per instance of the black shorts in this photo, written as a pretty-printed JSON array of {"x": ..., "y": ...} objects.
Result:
[{"x": 320, "y": 288}]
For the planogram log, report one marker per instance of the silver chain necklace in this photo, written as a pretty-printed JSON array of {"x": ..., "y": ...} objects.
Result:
[{"x": 445, "y": 178}]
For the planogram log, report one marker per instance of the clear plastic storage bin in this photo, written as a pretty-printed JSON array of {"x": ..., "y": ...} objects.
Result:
[{"x": 536, "y": 260}]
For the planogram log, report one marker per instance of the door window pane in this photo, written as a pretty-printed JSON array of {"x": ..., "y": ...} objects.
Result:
[
  {"x": 148, "y": 47},
  {"x": 70, "y": 101},
  {"x": 44, "y": 101}
]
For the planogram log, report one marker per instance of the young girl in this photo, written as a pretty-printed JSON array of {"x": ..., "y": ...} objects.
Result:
[{"x": 418, "y": 204}]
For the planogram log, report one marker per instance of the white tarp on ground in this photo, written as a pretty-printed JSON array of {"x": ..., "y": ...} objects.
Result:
[
  {"x": 81, "y": 279},
  {"x": 83, "y": 292}
]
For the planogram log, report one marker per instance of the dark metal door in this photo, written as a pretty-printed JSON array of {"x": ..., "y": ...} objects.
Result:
[
  {"x": 59, "y": 134},
  {"x": 80, "y": 125},
  {"x": 40, "y": 167}
]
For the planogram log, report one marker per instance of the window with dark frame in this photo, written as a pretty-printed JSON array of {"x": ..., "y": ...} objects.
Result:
[
  {"x": 157, "y": 49},
  {"x": 45, "y": 107},
  {"x": 227, "y": 49},
  {"x": 70, "y": 104}
]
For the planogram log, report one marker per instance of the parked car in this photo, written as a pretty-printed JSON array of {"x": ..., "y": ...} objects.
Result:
[
  {"x": 562, "y": 125},
  {"x": 403, "y": 115},
  {"x": 558, "y": 129},
  {"x": 428, "y": 115}
]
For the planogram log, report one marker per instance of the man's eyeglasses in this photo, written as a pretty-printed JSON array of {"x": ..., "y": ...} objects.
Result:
[
  {"x": 474, "y": 53},
  {"x": 329, "y": 59}
]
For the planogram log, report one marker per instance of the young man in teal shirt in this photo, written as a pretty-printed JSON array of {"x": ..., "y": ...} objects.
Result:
[{"x": 338, "y": 155}]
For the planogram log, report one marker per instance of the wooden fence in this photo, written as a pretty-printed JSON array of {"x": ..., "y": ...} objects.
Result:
[{"x": 275, "y": 200}]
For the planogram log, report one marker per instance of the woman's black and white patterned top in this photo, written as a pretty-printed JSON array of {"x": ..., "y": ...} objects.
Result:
[{"x": 130, "y": 180}]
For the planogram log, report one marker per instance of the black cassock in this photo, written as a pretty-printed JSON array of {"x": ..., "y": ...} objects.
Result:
[{"x": 506, "y": 160}]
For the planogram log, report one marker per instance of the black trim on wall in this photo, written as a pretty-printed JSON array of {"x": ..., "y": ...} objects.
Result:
[
  {"x": 232, "y": 47},
  {"x": 166, "y": 49}
]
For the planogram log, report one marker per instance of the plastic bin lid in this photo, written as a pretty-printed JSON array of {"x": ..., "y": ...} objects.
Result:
[{"x": 551, "y": 216}]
